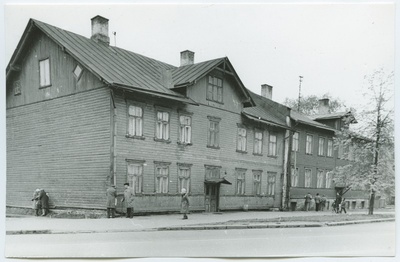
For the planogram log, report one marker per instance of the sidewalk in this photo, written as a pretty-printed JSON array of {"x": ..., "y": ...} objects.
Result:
[{"x": 196, "y": 221}]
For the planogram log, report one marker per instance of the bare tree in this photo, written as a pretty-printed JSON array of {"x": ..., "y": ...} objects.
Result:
[
  {"x": 309, "y": 104},
  {"x": 371, "y": 147}
]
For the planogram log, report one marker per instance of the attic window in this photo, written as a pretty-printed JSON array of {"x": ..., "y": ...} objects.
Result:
[
  {"x": 78, "y": 71},
  {"x": 17, "y": 87},
  {"x": 214, "y": 89},
  {"x": 44, "y": 72}
]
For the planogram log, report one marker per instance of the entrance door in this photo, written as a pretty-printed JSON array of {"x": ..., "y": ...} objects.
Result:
[{"x": 211, "y": 197}]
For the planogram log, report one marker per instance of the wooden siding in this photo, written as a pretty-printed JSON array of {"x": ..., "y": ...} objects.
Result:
[
  {"x": 197, "y": 154},
  {"x": 63, "y": 81},
  {"x": 61, "y": 145}
]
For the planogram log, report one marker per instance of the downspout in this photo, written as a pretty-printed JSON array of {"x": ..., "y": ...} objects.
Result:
[
  {"x": 113, "y": 130},
  {"x": 286, "y": 181}
]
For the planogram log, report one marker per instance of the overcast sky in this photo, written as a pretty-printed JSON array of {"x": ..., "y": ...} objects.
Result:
[{"x": 333, "y": 46}]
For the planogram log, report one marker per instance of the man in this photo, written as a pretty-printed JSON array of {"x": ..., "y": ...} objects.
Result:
[
  {"x": 317, "y": 202},
  {"x": 111, "y": 194},
  {"x": 307, "y": 201},
  {"x": 323, "y": 202},
  {"x": 128, "y": 200},
  {"x": 338, "y": 202}
]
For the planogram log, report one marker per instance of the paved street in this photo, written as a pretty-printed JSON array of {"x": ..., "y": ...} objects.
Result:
[{"x": 376, "y": 239}]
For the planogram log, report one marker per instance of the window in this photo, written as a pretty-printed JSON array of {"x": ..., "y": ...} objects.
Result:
[
  {"x": 295, "y": 142},
  {"x": 272, "y": 145},
  {"x": 183, "y": 177},
  {"x": 78, "y": 71},
  {"x": 214, "y": 89},
  {"x": 309, "y": 144},
  {"x": 320, "y": 179},
  {"x": 135, "y": 121},
  {"x": 271, "y": 183},
  {"x": 213, "y": 171},
  {"x": 162, "y": 130},
  {"x": 240, "y": 182},
  {"x": 241, "y": 139},
  {"x": 257, "y": 182},
  {"x": 321, "y": 146},
  {"x": 328, "y": 180},
  {"x": 258, "y": 141},
  {"x": 295, "y": 176},
  {"x": 162, "y": 174},
  {"x": 185, "y": 130},
  {"x": 17, "y": 87},
  {"x": 330, "y": 148},
  {"x": 213, "y": 132},
  {"x": 307, "y": 177},
  {"x": 135, "y": 175},
  {"x": 44, "y": 72}
]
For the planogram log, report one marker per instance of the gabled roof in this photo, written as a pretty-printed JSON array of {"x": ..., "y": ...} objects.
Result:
[
  {"x": 336, "y": 115},
  {"x": 303, "y": 119},
  {"x": 267, "y": 111},
  {"x": 121, "y": 68}
]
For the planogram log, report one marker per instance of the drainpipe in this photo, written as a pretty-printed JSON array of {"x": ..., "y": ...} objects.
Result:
[
  {"x": 286, "y": 180},
  {"x": 113, "y": 128}
]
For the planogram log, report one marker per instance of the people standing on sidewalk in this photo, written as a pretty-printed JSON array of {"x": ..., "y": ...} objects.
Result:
[
  {"x": 184, "y": 203},
  {"x": 343, "y": 206},
  {"x": 323, "y": 202},
  {"x": 44, "y": 202},
  {"x": 338, "y": 202},
  {"x": 307, "y": 201},
  {"x": 36, "y": 201},
  {"x": 317, "y": 200},
  {"x": 128, "y": 200},
  {"x": 111, "y": 194}
]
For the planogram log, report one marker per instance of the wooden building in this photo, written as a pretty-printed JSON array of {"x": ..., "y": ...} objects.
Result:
[{"x": 82, "y": 115}]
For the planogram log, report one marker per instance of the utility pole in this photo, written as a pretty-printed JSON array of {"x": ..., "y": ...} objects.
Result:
[{"x": 298, "y": 104}]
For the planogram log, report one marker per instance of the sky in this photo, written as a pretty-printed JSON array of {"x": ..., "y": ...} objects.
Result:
[{"x": 333, "y": 46}]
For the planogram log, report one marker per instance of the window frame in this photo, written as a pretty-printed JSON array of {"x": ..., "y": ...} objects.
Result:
[
  {"x": 184, "y": 127},
  {"x": 77, "y": 77},
  {"x": 273, "y": 144},
  {"x": 132, "y": 183},
  {"x": 161, "y": 165},
  {"x": 135, "y": 118},
  {"x": 271, "y": 183},
  {"x": 46, "y": 71},
  {"x": 213, "y": 132},
  {"x": 308, "y": 185},
  {"x": 320, "y": 178},
  {"x": 257, "y": 182},
  {"x": 309, "y": 144},
  {"x": 258, "y": 142},
  {"x": 219, "y": 89},
  {"x": 321, "y": 151},
  {"x": 188, "y": 167},
  {"x": 241, "y": 141},
  {"x": 17, "y": 87},
  {"x": 240, "y": 174},
  {"x": 330, "y": 151},
  {"x": 328, "y": 179},
  {"x": 157, "y": 122},
  {"x": 209, "y": 169},
  {"x": 294, "y": 172}
]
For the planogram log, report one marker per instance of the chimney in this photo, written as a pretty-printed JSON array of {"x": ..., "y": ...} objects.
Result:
[
  {"x": 266, "y": 91},
  {"x": 323, "y": 106},
  {"x": 187, "y": 58},
  {"x": 100, "y": 30}
]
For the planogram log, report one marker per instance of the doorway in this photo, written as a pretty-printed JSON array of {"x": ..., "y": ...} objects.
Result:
[{"x": 212, "y": 197}]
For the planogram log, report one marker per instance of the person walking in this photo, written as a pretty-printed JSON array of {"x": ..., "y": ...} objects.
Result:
[
  {"x": 338, "y": 202},
  {"x": 128, "y": 200},
  {"x": 36, "y": 201},
  {"x": 184, "y": 203},
  {"x": 323, "y": 202},
  {"x": 44, "y": 202},
  {"x": 317, "y": 200},
  {"x": 307, "y": 201},
  {"x": 343, "y": 206},
  {"x": 111, "y": 194}
]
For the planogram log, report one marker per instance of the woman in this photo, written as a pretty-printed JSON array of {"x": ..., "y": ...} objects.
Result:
[
  {"x": 44, "y": 202},
  {"x": 36, "y": 202},
  {"x": 184, "y": 203}
]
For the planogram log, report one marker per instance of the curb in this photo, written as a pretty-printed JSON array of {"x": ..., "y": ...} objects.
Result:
[{"x": 204, "y": 227}]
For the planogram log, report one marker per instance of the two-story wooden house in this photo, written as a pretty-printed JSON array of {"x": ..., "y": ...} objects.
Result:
[
  {"x": 314, "y": 155},
  {"x": 82, "y": 115}
]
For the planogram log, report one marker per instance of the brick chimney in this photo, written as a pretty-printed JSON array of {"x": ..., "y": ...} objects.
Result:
[
  {"x": 323, "y": 106},
  {"x": 266, "y": 91},
  {"x": 187, "y": 58},
  {"x": 100, "y": 30}
]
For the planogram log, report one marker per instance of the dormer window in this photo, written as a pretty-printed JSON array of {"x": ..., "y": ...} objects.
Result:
[
  {"x": 214, "y": 89},
  {"x": 44, "y": 72},
  {"x": 78, "y": 71}
]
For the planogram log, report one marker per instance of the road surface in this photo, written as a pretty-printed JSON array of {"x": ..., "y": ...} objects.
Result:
[{"x": 377, "y": 239}]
